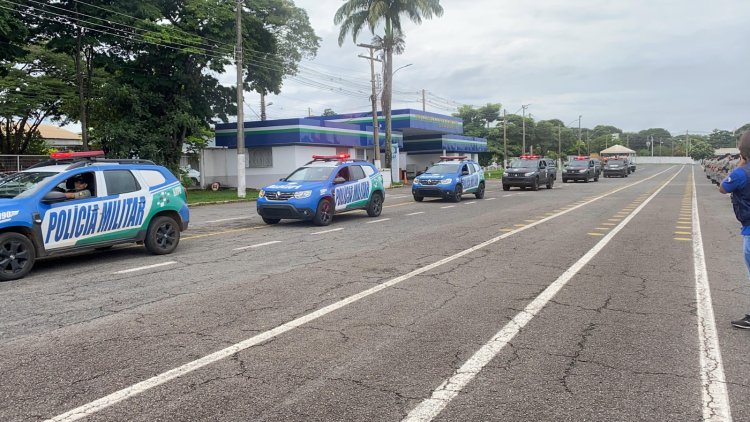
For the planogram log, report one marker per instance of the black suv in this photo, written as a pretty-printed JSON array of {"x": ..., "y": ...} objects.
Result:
[
  {"x": 617, "y": 167},
  {"x": 581, "y": 168},
  {"x": 529, "y": 171}
]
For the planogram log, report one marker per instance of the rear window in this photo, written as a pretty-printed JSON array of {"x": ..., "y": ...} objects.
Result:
[{"x": 153, "y": 178}]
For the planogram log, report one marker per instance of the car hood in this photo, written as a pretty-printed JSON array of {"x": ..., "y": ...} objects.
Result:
[
  {"x": 438, "y": 176},
  {"x": 521, "y": 169},
  {"x": 295, "y": 186}
]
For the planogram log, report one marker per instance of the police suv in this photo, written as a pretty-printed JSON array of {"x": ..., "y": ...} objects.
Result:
[
  {"x": 325, "y": 186},
  {"x": 450, "y": 178},
  {"x": 581, "y": 168},
  {"x": 126, "y": 201},
  {"x": 530, "y": 171}
]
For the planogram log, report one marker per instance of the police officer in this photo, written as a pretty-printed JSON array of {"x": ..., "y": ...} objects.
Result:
[{"x": 80, "y": 189}]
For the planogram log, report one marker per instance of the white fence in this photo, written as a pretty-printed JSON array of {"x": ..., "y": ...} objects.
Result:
[{"x": 664, "y": 160}]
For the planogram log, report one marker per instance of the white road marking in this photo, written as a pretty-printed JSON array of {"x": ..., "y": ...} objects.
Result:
[
  {"x": 396, "y": 196},
  {"x": 715, "y": 397},
  {"x": 449, "y": 206},
  {"x": 416, "y": 213},
  {"x": 469, "y": 203},
  {"x": 138, "y": 388},
  {"x": 490, "y": 199},
  {"x": 449, "y": 389},
  {"x": 257, "y": 246},
  {"x": 228, "y": 219},
  {"x": 328, "y": 231},
  {"x": 147, "y": 267},
  {"x": 504, "y": 196},
  {"x": 378, "y": 221}
]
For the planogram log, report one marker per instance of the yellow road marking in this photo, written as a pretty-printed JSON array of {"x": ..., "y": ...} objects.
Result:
[
  {"x": 609, "y": 224},
  {"x": 530, "y": 221},
  {"x": 520, "y": 225},
  {"x": 602, "y": 228},
  {"x": 614, "y": 219},
  {"x": 683, "y": 238},
  {"x": 683, "y": 228},
  {"x": 596, "y": 234},
  {"x": 506, "y": 230},
  {"x": 688, "y": 233}
]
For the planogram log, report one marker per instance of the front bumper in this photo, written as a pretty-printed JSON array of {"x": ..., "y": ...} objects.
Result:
[
  {"x": 518, "y": 180},
  {"x": 576, "y": 176},
  {"x": 618, "y": 172},
  {"x": 285, "y": 211},
  {"x": 432, "y": 191}
]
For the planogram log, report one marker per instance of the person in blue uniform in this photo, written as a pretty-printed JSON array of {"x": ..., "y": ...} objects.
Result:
[{"x": 738, "y": 184}]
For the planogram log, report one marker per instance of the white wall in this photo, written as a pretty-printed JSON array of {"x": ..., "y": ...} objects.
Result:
[
  {"x": 220, "y": 165},
  {"x": 664, "y": 160}
]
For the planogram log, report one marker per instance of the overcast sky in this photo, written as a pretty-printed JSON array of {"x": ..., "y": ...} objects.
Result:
[{"x": 635, "y": 64}]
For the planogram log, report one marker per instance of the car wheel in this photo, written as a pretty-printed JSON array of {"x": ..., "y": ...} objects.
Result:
[
  {"x": 375, "y": 207},
  {"x": 418, "y": 198},
  {"x": 550, "y": 182},
  {"x": 324, "y": 213},
  {"x": 17, "y": 255},
  {"x": 271, "y": 220},
  {"x": 596, "y": 178},
  {"x": 163, "y": 235},
  {"x": 480, "y": 191},
  {"x": 506, "y": 187},
  {"x": 565, "y": 180},
  {"x": 535, "y": 186},
  {"x": 457, "y": 193}
]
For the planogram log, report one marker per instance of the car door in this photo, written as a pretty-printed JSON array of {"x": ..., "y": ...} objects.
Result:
[
  {"x": 469, "y": 178},
  {"x": 71, "y": 222},
  {"x": 543, "y": 176},
  {"x": 125, "y": 205},
  {"x": 354, "y": 191}
]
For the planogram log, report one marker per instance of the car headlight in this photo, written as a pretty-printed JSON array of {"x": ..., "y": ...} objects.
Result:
[
  {"x": 531, "y": 173},
  {"x": 446, "y": 181},
  {"x": 416, "y": 182},
  {"x": 302, "y": 194},
  {"x": 261, "y": 194},
  {"x": 583, "y": 171}
]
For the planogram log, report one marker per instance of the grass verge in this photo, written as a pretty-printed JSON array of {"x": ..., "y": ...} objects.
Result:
[{"x": 200, "y": 197}]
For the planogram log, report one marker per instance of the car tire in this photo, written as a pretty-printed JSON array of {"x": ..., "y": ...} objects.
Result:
[
  {"x": 457, "y": 192},
  {"x": 163, "y": 235},
  {"x": 271, "y": 220},
  {"x": 480, "y": 191},
  {"x": 324, "y": 213},
  {"x": 506, "y": 187},
  {"x": 418, "y": 198},
  {"x": 535, "y": 186},
  {"x": 375, "y": 206},
  {"x": 550, "y": 182},
  {"x": 17, "y": 256},
  {"x": 565, "y": 180},
  {"x": 596, "y": 178}
]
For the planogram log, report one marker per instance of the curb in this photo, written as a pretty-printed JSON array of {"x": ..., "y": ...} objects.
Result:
[{"x": 229, "y": 201}]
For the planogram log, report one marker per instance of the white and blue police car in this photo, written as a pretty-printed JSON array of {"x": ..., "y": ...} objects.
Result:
[
  {"x": 126, "y": 201},
  {"x": 327, "y": 185},
  {"x": 450, "y": 178}
]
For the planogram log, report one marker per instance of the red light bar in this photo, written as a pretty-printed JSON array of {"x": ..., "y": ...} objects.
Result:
[
  {"x": 82, "y": 154},
  {"x": 530, "y": 157},
  {"x": 331, "y": 157},
  {"x": 452, "y": 157},
  {"x": 582, "y": 157}
]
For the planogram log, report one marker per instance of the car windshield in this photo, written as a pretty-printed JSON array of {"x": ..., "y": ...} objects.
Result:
[
  {"x": 578, "y": 163},
  {"x": 23, "y": 184},
  {"x": 526, "y": 164},
  {"x": 310, "y": 174},
  {"x": 616, "y": 162},
  {"x": 443, "y": 168}
]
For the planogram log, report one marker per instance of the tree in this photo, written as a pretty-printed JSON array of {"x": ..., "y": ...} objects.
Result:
[
  {"x": 700, "y": 149},
  {"x": 722, "y": 139},
  {"x": 13, "y": 34},
  {"x": 490, "y": 113},
  {"x": 32, "y": 91},
  {"x": 329, "y": 112},
  {"x": 355, "y": 14}
]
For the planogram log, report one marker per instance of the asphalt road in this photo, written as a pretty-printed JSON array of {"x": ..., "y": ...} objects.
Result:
[{"x": 581, "y": 303}]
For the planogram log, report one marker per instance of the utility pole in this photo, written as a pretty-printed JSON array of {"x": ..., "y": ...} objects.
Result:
[
  {"x": 523, "y": 147},
  {"x": 579, "y": 133},
  {"x": 374, "y": 99},
  {"x": 505, "y": 139},
  {"x": 559, "y": 146},
  {"x": 240, "y": 107},
  {"x": 687, "y": 143},
  {"x": 424, "y": 100},
  {"x": 262, "y": 106}
]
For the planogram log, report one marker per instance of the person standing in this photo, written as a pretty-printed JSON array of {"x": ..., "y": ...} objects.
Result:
[{"x": 738, "y": 184}]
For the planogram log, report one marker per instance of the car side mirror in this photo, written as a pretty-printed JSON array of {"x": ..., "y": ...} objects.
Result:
[
  {"x": 339, "y": 180},
  {"x": 283, "y": 179},
  {"x": 54, "y": 196}
]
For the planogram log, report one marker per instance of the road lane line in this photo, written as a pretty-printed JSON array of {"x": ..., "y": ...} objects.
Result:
[
  {"x": 147, "y": 267},
  {"x": 450, "y": 388},
  {"x": 415, "y": 213},
  {"x": 449, "y": 206},
  {"x": 257, "y": 246},
  {"x": 140, "y": 387},
  {"x": 714, "y": 388},
  {"x": 378, "y": 221},
  {"x": 228, "y": 219},
  {"x": 504, "y": 196},
  {"x": 489, "y": 199},
  {"x": 327, "y": 231},
  {"x": 470, "y": 203}
]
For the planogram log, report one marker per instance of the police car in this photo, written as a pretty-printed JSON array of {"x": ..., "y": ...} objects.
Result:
[
  {"x": 450, "y": 178},
  {"x": 530, "y": 171},
  {"x": 327, "y": 185},
  {"x": 129, "y": 201}
]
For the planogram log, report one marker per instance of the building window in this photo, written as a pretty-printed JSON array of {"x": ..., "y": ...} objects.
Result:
[{"x": 260, "y": 157}]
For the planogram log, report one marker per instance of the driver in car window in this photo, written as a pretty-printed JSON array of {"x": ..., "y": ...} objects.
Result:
[{"x": 80, "y": 189}]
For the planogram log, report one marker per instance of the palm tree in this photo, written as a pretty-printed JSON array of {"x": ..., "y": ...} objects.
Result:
[{"x": 355, "y": 14}]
